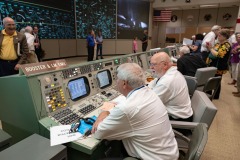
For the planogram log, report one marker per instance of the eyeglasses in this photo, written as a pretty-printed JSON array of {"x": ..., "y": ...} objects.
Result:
[{"x": 155, "y": 64}]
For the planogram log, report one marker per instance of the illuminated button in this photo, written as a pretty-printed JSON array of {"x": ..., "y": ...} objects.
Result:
[
  {"x": 48, "y": 80},
  {"x": 52, "y": 85}
]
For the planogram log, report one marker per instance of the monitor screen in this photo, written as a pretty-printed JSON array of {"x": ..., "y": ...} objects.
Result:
[
  {"x": 104, "y": 79},
  {"x": 78, "y": 88}
]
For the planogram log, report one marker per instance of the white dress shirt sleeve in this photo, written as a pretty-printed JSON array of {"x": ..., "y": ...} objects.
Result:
[{"x": 114, "y": 127}]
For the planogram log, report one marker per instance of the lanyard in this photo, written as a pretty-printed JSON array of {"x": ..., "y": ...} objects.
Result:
[
  {"x": 134, "y": 91},
  {"x": 157, "y": 80}
]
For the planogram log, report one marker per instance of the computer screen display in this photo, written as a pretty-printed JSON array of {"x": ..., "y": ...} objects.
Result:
[
  {"x": 104, "y": 79},
  {"x": 78, "y": 88}
]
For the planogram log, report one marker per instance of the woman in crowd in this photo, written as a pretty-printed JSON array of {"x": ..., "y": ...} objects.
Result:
[
  {"x": 219, "y": 55},
  {"x": 236, "y": 52},
  {"x": 235, "y": 59}
]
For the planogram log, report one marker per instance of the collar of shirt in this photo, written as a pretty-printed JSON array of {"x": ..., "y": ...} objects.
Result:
[
  {"x": 4, "y": 33},
  {"x": 129, "y": 94}
]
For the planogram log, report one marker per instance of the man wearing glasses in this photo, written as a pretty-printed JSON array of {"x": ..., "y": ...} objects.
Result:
[
  {"x": 171, "y": 87},
  {"x": 141, "y": 121}
]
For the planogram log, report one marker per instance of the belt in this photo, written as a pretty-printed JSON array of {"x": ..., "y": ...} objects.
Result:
[{"x": 9, "y": 61}]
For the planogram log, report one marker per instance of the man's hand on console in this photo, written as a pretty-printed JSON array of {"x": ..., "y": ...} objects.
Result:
[
  {"x": 17, "y": 67},
  {"x": 100, "y": 118}
]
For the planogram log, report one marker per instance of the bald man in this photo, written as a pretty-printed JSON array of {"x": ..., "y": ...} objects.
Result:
[
  {"x": 13, "y": 48},
  {"x": 171, "y": 87}
]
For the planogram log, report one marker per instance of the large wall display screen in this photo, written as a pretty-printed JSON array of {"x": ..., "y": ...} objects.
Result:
[
  {"x": 132, "y": 18},
  {"x": 96, "y": 15},
  {"x": 55, "y": 18}
]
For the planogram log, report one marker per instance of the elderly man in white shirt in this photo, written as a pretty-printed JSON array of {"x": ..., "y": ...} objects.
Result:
[
  {"x": 171, "y": 87},
  {"x": 209, "y": 38},
  {"x": 30, "y": 41},
  {"x": 141, "y": 121}
]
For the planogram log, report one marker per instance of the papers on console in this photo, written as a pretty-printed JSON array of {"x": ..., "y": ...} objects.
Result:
[
  {"x": 60, "y": 135},
  {"x": 187, "y": 41}
]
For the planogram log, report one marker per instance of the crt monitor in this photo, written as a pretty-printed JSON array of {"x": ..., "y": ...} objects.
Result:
[
  {"x": 78, "y": 88},
  {"x": 104, "y": 79}
]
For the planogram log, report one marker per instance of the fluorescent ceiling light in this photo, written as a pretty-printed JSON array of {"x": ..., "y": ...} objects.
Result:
[
  {"x": 208, "y": 5},
  {"x": 174, "y": 8}
]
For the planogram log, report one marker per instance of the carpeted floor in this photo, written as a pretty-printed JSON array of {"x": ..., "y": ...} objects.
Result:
[{"x": 224, "y": 134}]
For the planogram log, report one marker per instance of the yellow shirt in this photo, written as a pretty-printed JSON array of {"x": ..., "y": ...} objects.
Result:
[{"x": 7, "y": 50}]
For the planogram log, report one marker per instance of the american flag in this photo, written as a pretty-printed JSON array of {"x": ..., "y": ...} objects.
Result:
[{"x": 162, "y": 15}]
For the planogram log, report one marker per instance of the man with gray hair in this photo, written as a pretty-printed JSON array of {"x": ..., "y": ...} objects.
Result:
[
  {"x": 209, "y": 39},
  {"x": 188, "y": 63},
  {"x": 30, "y": 38},
  {"x": 141, "y": 121},
  {"x": 30, "y": 41},
  {"x": 13, "y": 48},
  {"x": 171, "y": 87}
]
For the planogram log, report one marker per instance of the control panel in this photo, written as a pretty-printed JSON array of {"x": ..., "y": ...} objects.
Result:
[{"x": 74, "y": 92}]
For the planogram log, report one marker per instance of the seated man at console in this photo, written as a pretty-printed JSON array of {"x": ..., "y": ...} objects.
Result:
[
  {"x": 141, "y": 121},
  {"x": 171, "y": 87},
  {"x": 188, "y": 64}
]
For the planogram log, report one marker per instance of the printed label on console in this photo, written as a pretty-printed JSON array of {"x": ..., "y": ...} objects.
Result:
[{"x": 34, "y": 68}]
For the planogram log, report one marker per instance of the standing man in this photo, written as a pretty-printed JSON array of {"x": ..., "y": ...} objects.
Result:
[
  {"x": 209, "y": 39},
  {"x": 99, "y": 40},
  {"x": 13, "y": 47},
  {"x": 90, "y": 45},
  {"x": 32, "y": 58},
  {"x": 141, "y": 121},
  {"x": 37, "y": 44},
  {"x": 145, "y": 40}
]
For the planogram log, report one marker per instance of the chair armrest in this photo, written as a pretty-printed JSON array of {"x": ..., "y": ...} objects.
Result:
[{"x": 183, "y": 125}]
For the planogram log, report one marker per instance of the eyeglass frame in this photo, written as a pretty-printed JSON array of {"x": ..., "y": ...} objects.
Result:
[{"x": 155, "y": 64}]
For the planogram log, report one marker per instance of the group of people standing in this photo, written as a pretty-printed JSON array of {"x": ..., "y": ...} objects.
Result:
[
  {"x": 218, "y": 48},
  {"x": 16, "y": 47},
  {"x": 144, "y": 41},
  {"x": 92, "y": 40}
]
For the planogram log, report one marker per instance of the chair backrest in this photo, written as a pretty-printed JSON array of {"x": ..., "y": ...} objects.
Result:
[
  {"x": 192, "y": 84},
  {"x": 203, "y": 74},
  {"x": 197, "y": 142},
  {"x": 204, "y": 110},
  {"x": 212, "y": 85}
]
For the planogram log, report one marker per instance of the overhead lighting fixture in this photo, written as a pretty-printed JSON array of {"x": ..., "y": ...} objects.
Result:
[
  {"x": 208, "y": 5},
  {"x": 174, "y": 8},
  {"x": 188, "y": 1}
]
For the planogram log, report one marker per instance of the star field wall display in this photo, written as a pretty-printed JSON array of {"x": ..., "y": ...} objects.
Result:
[
  {"x": 96, "y": 15},
  {"x": 55, "y": 19}
]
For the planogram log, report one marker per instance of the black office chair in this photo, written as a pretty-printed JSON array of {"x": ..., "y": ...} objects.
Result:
[
  {"x": 211, "y": 86},
  {"x": 192, "y": 84},
  {"x": 196, "y": 142}
]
